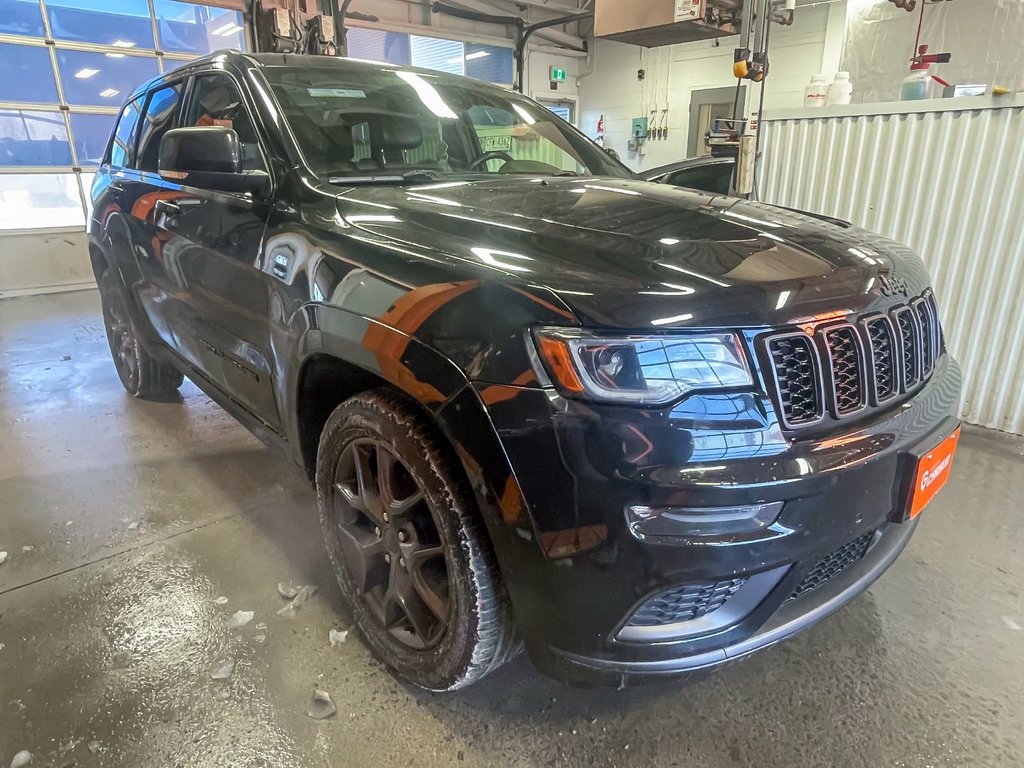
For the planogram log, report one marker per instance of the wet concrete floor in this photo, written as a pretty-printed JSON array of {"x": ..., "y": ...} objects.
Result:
[{"x": 126, "y": 520}]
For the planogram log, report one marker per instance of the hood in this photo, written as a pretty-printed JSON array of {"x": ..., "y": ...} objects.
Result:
[{"x": 635, "y": 255}]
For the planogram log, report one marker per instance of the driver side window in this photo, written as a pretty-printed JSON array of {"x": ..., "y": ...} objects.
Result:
[{"x": 216, "y": 100}]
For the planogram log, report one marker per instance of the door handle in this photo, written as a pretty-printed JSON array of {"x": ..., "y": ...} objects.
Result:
[{"x": 116, "y": 187}]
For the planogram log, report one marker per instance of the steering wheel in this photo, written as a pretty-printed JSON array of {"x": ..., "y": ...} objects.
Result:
[{"x": 494, "y": 154}]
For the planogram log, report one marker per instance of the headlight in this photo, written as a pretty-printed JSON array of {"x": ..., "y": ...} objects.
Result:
[{"x": 644, "y": 370}]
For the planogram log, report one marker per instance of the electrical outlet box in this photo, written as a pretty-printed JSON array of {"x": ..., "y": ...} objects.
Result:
[
  {"x": 639, "y": 128},
  {"x": 323, "y": 27}
]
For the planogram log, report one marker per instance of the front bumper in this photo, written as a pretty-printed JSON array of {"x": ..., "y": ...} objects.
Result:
[{"x": 579, "y": 466}]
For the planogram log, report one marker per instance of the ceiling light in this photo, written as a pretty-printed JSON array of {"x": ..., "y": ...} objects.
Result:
[
  {"x": 527, "y": 117},
  {"x": 115, "y": 55},
  {"x": 477, "y": 55},
  {"x": 428, "y": 95},
  {"x": 499, "y": 259},
  {"x": 123, "y": 44},
  {"x": 226, "y": 30},
  {"x": 669, "y": 241},
  {"x": 109, "y": 93},
  {"x": 86, "y": 73},
  {"x": 671, "y": 320}
]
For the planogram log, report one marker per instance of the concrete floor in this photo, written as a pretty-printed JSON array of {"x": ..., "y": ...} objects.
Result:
[{"x": 140, "y": 514}]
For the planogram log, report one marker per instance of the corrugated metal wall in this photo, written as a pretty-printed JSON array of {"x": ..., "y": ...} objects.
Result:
[{"x": 950, "y": 184}]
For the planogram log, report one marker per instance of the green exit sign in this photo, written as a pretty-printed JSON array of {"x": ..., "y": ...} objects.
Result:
[{"x": 557, "y": 75}]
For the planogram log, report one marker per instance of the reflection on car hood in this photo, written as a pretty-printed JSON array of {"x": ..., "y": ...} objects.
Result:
[{"x": 633, "y": 254}]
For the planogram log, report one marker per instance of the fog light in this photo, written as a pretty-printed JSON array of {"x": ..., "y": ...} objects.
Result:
[{"x": 700, "y": 522}]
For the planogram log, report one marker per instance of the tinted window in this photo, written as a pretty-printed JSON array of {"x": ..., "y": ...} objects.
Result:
[
  {"x": 215, "y": 100},
  {"x": 160, "y": 118},
  {"x": 124, "y": 134},
  {"x": 713, "y": 178},
  {"x": 33, "y": 138},
  {"x": 27, "y": 74},
  {"x": 99, "y": 79},
  {"x": 125, "y": 22}
]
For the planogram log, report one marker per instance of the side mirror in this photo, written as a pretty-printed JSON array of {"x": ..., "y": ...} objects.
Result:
[
  {"x": 208, "y": 157},
  {"x": 611, "y": 152}
]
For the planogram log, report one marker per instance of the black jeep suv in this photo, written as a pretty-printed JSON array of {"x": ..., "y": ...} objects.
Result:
[{"x": 640, "y": 430}]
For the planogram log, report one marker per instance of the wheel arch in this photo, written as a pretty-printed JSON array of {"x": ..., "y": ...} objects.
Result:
[{"x": 340, "y": 354}]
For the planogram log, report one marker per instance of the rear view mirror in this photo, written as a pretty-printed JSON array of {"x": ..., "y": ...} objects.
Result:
[{"x": 208, "y": 157}]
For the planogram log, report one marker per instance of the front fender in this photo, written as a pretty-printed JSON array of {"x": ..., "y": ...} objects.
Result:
[{"x": 441, "y": 388}]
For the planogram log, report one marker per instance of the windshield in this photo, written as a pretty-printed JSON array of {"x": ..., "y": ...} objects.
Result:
[{"x": 363, "y": 120}]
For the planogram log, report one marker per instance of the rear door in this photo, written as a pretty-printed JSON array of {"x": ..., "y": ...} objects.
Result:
[{"x": 212, "y": 256}]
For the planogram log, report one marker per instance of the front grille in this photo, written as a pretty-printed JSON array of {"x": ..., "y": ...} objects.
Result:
[
  {"x": 924, "y": 324},
  {"x": 685, "y": 603},
  {"x": 796, "y": 375},
  {"x": 833, "y": 564},
  {"x": 882, "y": 343},
  {"x": 847, "y": 364},
  {"x": 910, "y": 342},
  {"x": 867, "y": 362}
]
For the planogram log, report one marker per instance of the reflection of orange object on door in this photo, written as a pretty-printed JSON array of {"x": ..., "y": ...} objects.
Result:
[{"x": 407, "y": 315}]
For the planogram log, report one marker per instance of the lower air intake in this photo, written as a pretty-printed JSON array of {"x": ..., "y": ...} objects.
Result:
[
  {"x": 833, "y": 564},
  {"x": 685, "y": 603}
]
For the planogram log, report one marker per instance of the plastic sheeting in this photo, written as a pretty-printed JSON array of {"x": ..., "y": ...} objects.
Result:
[{"x": 984, "y": 37}]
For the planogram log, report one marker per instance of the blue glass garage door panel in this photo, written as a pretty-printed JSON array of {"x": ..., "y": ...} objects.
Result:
[
  {"x": 190, "y": 28},
  {"x": 101, "y": 79},
  {"x": 110, "y": 22},
  {"x": 33, "y": 138},
  {"x": 91, "y": 134},
  {"x": 490, "y": 63},
  {"x": 21, "y": 17},
  {"x": 27, "y": 74},
  {"x": 378, "y": 45},
  {"x": 434, "y": 53}
]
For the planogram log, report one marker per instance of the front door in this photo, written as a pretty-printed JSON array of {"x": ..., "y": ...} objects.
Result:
[{"x": 212, "y": 251}]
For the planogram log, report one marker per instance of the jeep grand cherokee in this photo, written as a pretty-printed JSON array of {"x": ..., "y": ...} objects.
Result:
[{"x": 637, "y": 429}]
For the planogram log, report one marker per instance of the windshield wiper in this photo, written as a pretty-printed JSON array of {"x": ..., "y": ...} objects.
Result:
[{"x": 419, "y": 176}]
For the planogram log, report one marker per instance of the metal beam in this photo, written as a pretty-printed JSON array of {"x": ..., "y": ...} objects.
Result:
[{"x": 554, "y": 35}]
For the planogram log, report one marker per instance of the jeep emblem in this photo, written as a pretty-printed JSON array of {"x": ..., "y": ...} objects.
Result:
[{"x": 890, "y": 285}]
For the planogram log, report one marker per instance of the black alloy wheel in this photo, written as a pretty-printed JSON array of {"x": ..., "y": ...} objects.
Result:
[
  {"x": 390, "y": 543},
  {"x": 141, "y": 374},
  {"x": 407, "y": 542}
]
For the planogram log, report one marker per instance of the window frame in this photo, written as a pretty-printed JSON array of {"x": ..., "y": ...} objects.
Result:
[
  {"x": 153, "y": 88},
  {"x": 243, "y": 92}
]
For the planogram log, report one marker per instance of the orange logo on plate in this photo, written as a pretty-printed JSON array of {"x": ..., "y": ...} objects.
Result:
[{"x": 932, "y": 473}]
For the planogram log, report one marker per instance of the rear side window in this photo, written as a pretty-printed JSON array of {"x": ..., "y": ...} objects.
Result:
[
  {"x": 712, "y": 178},
  {"x": 161, "y": 111},
  {"x": 124, "y": 134},
  {"x": 215, "y": 100}
]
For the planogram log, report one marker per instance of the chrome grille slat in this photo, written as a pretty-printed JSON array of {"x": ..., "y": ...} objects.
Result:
[
  {"x": 910, "y": 337},
  {"x": 797, "y": 376},
  {"x": 846, "y": 367},
  {"x": 848, "y": 392},
  {"x": 885, "y": 369}
]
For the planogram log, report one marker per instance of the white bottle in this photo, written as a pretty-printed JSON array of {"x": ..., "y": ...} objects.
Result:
[
  {"x": 841, "y": 90},
  {"x": 816, "y": 93}
]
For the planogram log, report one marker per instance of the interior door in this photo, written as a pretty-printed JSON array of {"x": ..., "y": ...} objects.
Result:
[{"x": 215, "y": 242}]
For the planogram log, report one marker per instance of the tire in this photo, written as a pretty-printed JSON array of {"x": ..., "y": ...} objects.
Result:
[
  {"x": 374, "y": 449},
  {"x": 142, "y": 375}
]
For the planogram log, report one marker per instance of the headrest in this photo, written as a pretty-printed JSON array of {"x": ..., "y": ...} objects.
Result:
[{"x": 391, "y": 132}]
